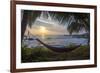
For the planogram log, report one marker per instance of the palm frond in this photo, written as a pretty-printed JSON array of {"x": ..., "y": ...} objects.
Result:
[
  {"x": 61, "y": 17},
  {"x": 75, "y": 27},
  {"x": 32, "y": 15}
]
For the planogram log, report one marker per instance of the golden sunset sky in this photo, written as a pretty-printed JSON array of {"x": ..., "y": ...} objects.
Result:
[{"x": 46, "y": 27}]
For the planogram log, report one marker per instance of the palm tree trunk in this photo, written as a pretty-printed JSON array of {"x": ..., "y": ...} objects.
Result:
[
  {"x": 88, "y": 42},
  {"x": 28, "y": 18},
  {"x": 24, "y": 24}
]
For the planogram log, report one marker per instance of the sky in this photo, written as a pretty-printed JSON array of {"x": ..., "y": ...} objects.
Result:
[
  {"x": 51, "y": 27},
  {"x": 47, "y": 26}
]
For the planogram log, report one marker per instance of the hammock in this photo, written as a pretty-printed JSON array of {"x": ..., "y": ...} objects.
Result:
[{"x": 58, "y": 49}]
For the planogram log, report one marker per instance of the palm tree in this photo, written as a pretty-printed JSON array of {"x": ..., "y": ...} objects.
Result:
[
  {"x": 28, "y": 18},
  {"x": 81, "y": 22},
  {"x": 75, "y": 22}
]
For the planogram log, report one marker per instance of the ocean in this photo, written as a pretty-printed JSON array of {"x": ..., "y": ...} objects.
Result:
[{"x": 55, "y": 40}]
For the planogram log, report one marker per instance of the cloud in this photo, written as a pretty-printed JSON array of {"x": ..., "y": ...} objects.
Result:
[{"x": 52, "y": 26}]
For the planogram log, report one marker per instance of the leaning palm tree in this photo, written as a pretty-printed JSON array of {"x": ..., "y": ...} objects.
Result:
[{"x": 28, "y": 18}]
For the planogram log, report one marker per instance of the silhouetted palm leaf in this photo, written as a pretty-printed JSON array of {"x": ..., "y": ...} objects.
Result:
[
  {"x": 75, "y": 27},
  {"x": 61, "y": 17}
]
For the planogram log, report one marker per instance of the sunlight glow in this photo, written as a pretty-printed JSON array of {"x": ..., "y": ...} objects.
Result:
[{"x": 43, "y": 31}]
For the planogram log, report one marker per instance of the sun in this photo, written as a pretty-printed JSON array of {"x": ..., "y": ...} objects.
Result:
[{"x": 43, "y": 30}]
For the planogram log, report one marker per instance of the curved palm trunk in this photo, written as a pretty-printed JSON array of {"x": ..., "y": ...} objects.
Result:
[
  {"x": 88, "y": 39},
  {"x": 28, "y": 18},
  {"x": 24, "y": 24}
]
